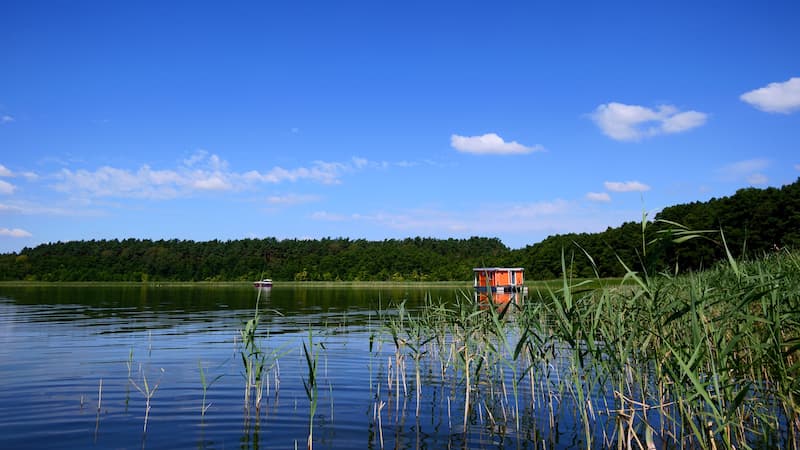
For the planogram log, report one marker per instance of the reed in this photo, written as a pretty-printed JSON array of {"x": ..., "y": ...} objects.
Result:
[
  {"x": 699, "y": 360},
  {"x": 97, "y": 417},
  {"x": 310, "y": 385},
  {"x": 257, "y": 361},
  {"x": 148, "y": 391},
  {"x": 206, "y": 384}
]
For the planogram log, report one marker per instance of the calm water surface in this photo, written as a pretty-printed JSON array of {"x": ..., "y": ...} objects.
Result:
[{"x": 64, "y": 351}]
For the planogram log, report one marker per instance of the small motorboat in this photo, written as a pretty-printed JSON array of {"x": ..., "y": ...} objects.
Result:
[{"x": 265, "y": 283}]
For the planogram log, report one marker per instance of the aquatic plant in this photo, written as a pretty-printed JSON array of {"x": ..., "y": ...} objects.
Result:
[
  {"x": 206, "y": 384},
  {"x": 147, "y": 392},
  {"x": 708, "y": 360},
  {"x": 257, "y": 361},
  {"x": 310, "y": 384}
]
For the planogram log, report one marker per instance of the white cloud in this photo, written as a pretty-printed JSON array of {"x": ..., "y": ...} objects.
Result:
[
  {"x": 320, "y": 171},
  {"x": 757, "y": 179},
  {"x": 598, "y": 196},
  {"x": 195, "y": 158},
  {"x": 747, "y": 170},
  {"x": 627, "y": 186},
  {"x": 14, "y": 232},
  {"x": 291, "y": 199},
  {"x": 6, "y": 119},
  {"x": 7, "y": 173},
  {"x": 745, "y": 166},
  {"x": 797, "y": 167},
  {"x": 538, "y": 209},
  {"x": 215, "y": 182},
  {"x": 328, "y": 217},
  {"x": 112, "y": 182},
  {"x": 200, "y": 172},
  {"x": 517, "y": 218},
  {"x": 6, "y": 187},
  {"x": 633, "y": 122},
  {"x": 490, "y": 144},
  {"x": 29, "y": 208},
  {"x": 775, "y": 97},
  {"x": 683, "y": 121}
]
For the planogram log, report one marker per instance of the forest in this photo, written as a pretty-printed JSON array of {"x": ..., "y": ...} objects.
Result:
[{"x": 686, "y": 237}]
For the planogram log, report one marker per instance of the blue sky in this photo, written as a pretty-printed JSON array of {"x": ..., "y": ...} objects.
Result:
[{"x": 382, "y": 119}]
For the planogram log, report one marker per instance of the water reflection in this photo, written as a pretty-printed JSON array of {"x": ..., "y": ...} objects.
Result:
[
  {"x": 65, "y": 350},
  {"x": 165, "y": 306},
  {"x": 83, "y": 363}
]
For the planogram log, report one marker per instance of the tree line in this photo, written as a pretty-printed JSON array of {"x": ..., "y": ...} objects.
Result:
[{"x": 749, "y": 223}]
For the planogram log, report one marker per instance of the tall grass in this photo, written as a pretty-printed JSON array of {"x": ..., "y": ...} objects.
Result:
[
  {"x": 258, "y": 361},
  {"x": 700, "y": 360},
  {"x": 310, "y": 384}
]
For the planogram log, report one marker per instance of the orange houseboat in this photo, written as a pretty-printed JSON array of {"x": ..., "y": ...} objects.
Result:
[{"x": 501, "y": 283}]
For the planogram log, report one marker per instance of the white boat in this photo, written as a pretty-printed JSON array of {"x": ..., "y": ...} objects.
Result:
[{"x": 265, "y": 283}]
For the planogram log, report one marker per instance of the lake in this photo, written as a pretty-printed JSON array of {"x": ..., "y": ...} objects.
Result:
[{"x": 78, "y": 365}]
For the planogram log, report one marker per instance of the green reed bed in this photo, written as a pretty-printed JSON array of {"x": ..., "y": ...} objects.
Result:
[
  {"x": 704, "y": 360},
  {"x": 707, "y": 360}
]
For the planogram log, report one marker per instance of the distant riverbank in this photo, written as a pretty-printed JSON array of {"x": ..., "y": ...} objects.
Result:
[{"x": 467, "y": 284}]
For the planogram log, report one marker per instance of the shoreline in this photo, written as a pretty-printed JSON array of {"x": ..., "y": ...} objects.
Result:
[{"x": 554, "y": 284}]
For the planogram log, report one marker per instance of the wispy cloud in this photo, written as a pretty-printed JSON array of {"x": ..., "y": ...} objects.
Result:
[
  {"x": 112, "y": 182},
  {"x": 28, "y": 208},
  {"x": 775, "y": 97},
  {"x": 626, "y": 186},
  {"x": 490, "y": 144},
  {"x": 534, "y": 216},
  {"x": 598, "y": 196},
  {"x": 326, "y": 216},
  {"x": 291, "y": 199},
  {"x": 750, "y": 170},
  {"x": 6, "y": 118},
  {"x": 200, "y": 172},
  {"x": 5, "y": 172},
  {"x": 6, "y": 188},
  {"x": 757, "y": 179},
  {"x": 320, "y": 171},
  {"x": 533, "y": 210},
  {"x": 633, "y": 122},
  {"x": 14, "y": 233}
]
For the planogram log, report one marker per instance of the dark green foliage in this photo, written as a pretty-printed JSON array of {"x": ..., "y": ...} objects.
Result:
[
  {"x": 755, "y": 222},
  {"x": 419, "y": 259}
]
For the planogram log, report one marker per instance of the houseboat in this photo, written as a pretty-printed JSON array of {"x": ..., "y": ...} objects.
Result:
[{"x": 502, "y": 284}]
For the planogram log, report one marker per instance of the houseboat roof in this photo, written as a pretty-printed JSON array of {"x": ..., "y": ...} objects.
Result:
[{"x": 497, "y": 269}]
